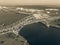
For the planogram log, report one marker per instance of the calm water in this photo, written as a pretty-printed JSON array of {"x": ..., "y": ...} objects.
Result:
[{"x": 40, "y": 34}]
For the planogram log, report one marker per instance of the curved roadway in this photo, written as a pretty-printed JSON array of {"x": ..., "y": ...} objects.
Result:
[{"x": 28, "y": 20}]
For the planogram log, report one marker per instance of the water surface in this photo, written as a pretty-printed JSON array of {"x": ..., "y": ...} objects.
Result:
[{"x": 40, "y": 34}]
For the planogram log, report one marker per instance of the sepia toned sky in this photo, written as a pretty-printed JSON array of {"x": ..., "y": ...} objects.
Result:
[{"x": 29, "y": 2}]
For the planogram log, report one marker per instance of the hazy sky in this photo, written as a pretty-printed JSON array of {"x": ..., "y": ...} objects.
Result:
[{"x": 29, "y": 2}]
